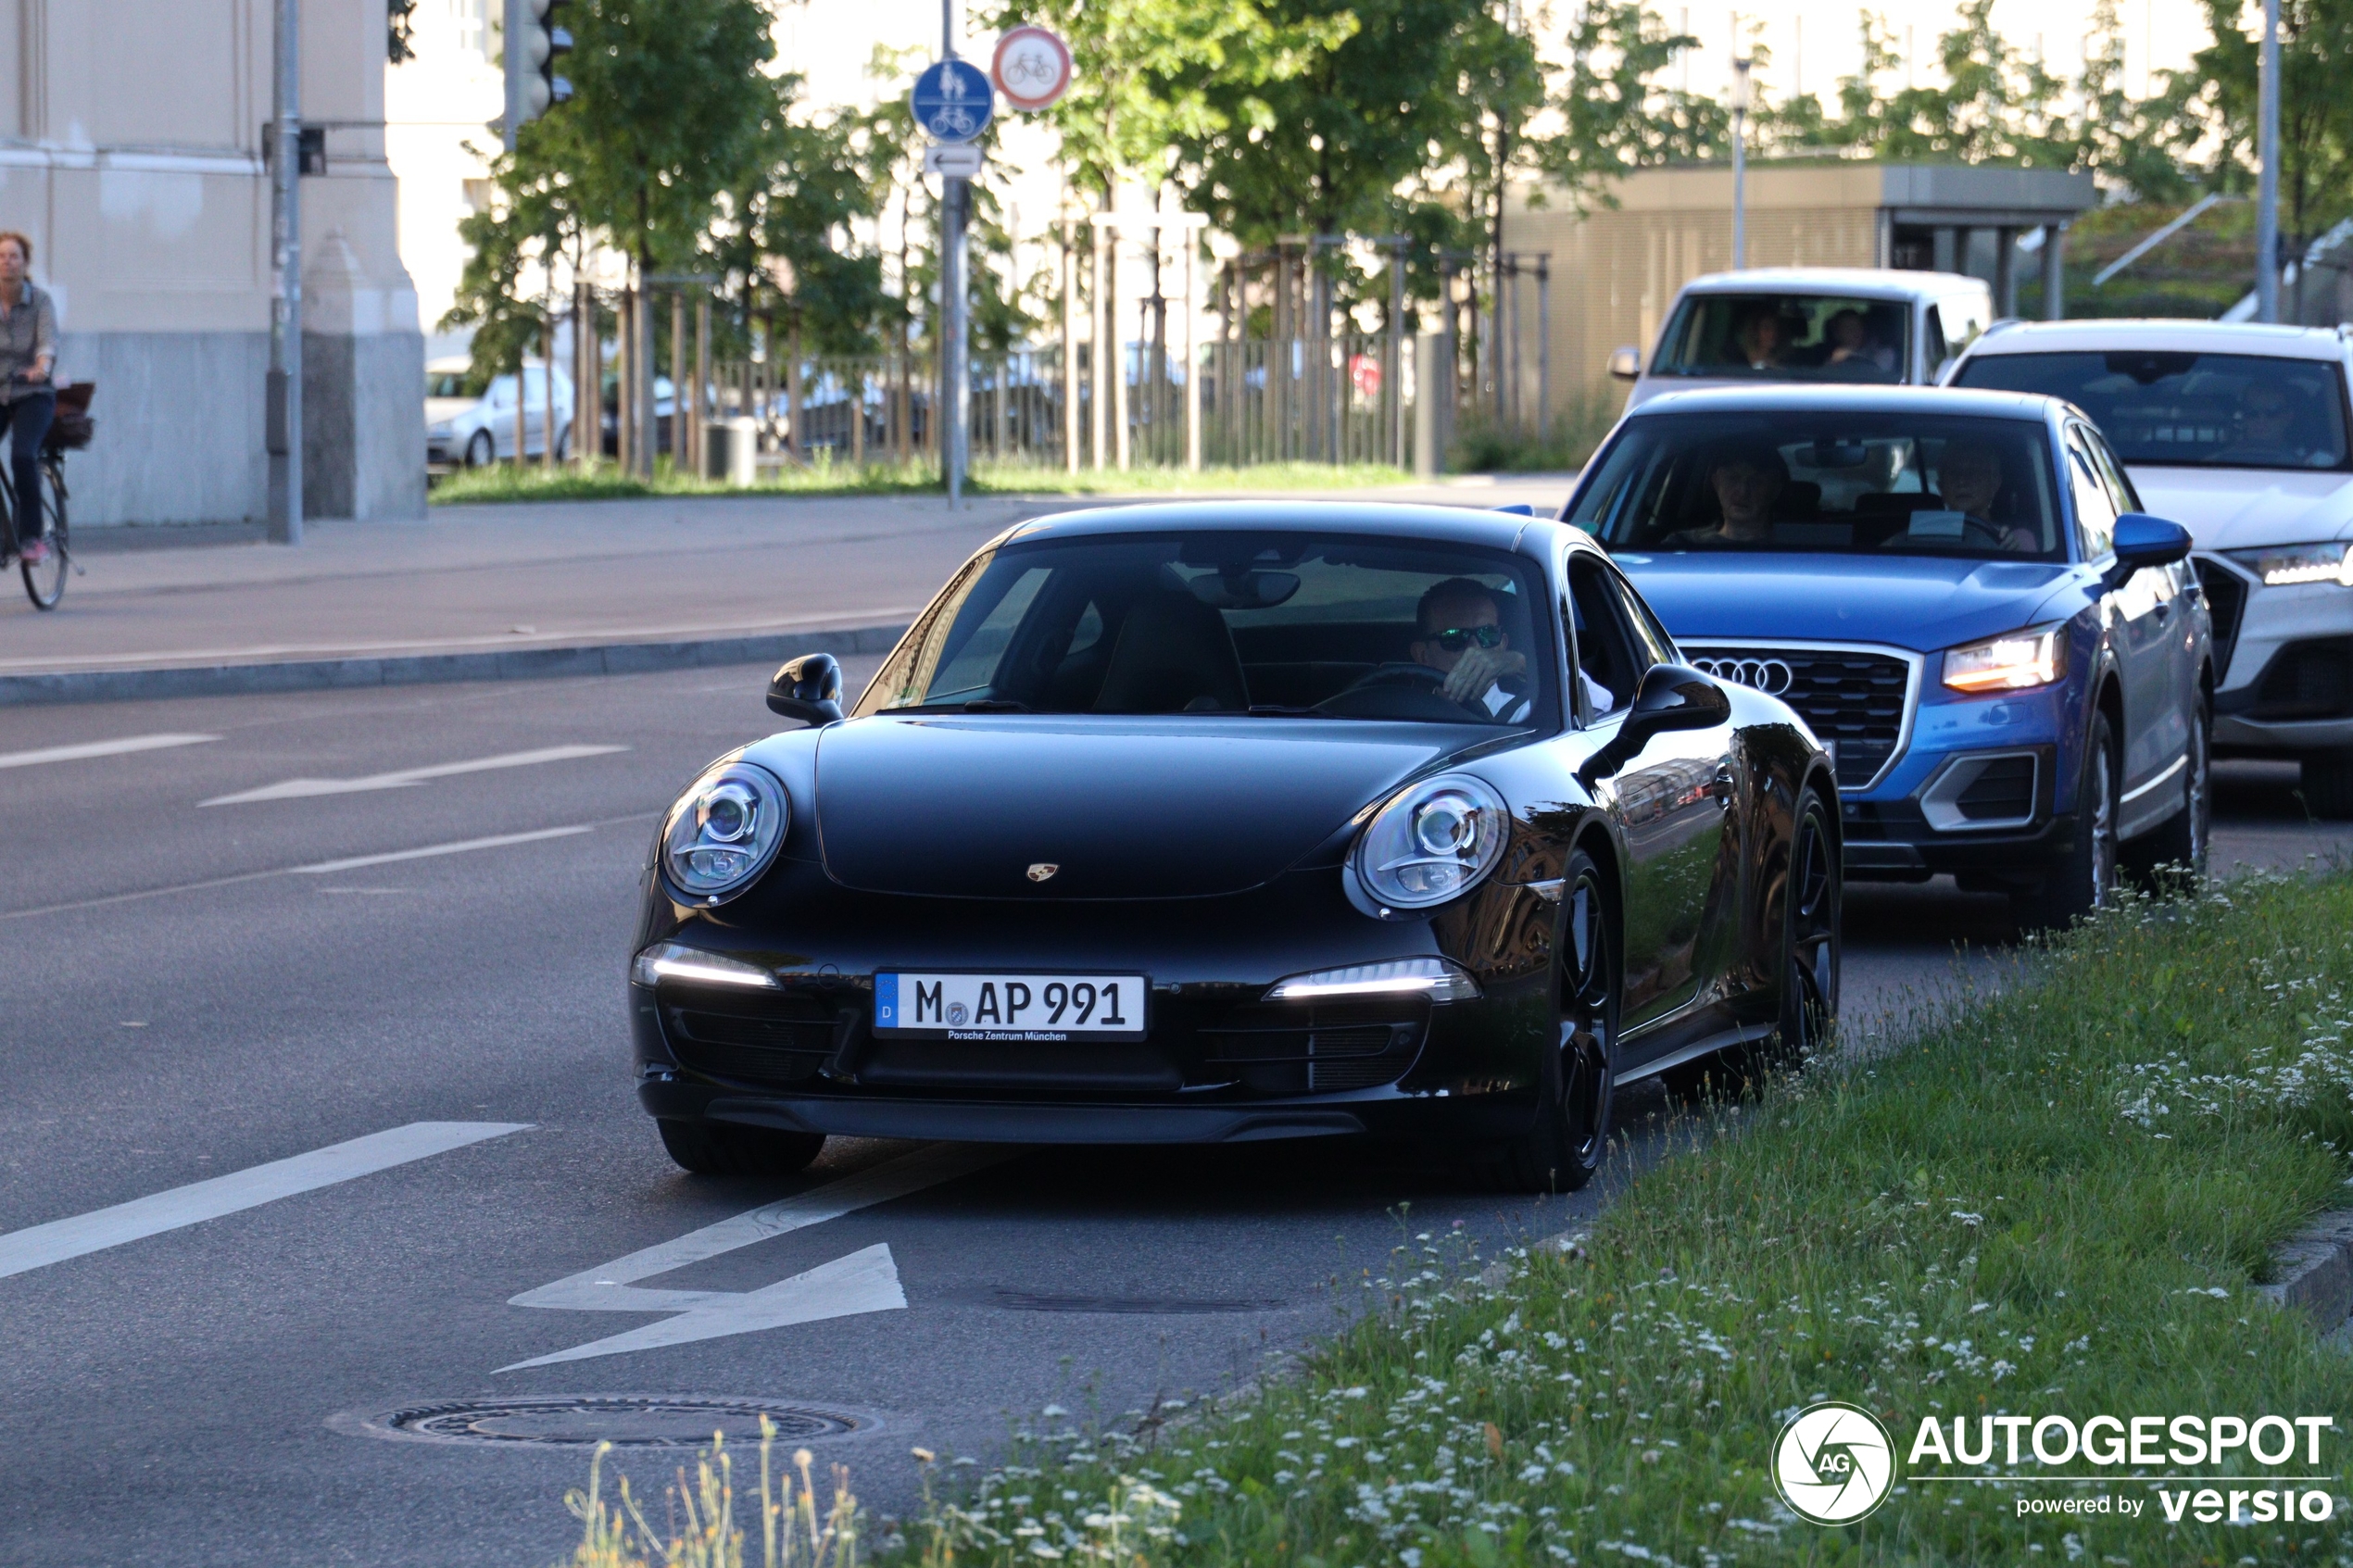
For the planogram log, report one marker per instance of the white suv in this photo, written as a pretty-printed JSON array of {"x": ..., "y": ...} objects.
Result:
[
  {"x": 1839, "y": 325},
  {"x": 2240, "y": 433}
]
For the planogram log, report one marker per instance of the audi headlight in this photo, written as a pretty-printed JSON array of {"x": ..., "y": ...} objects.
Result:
[
  {"x": 2015, "y": 661},
  {"x": 2282, "y": 566},
  {"x": 723, "y": 831},
  {"x": 1431, "y": 841}
]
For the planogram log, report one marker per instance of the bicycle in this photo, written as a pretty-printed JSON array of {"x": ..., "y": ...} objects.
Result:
[{"x": 45, "y": 583}]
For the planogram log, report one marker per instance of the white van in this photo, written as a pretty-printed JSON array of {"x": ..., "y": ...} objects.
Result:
[{"x": 1828, "y": 324}]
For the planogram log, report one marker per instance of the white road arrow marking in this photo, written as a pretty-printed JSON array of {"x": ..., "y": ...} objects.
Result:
[
  {"x": 865, "y": 1281},
  {"x": 302, "y": 789},
  {"x": 121, "y": 746}
]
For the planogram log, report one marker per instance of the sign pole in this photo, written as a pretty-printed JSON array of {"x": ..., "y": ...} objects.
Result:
[
  {"x": 2267, "y": 154},
  {"x": 956, "y": 405},
  {"x": 282, "y": 415}
]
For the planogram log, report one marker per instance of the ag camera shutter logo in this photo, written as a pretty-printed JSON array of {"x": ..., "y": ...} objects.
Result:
[{"x": 1834, "y": 1463}]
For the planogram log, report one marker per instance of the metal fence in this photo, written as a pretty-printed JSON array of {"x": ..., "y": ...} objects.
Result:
[{"x": 1338, "y": 400}]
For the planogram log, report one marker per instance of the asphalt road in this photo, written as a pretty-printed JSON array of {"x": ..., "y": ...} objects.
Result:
[{"x": 194, "y": 990}]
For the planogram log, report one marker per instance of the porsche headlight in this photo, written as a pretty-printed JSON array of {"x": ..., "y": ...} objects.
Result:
[
  {"x": 2015, "y": 661},
  {"x": 1431, "y": 842},
  {"x": 2282, "y": 566},
  {"x": 723, "y": 831}
]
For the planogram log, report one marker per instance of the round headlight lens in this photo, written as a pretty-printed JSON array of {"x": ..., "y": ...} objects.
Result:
[
  {"x": 723, "y": 831},
  {"x": 1433, "y": 842}
]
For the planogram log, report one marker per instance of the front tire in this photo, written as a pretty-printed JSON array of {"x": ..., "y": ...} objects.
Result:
[
  {"x": 2328, "y": 784},
  {"x": 2172, "y": 858},
  {"x": 480, "y": 452},
  {"x": 725, "y": 1148},
  {"x": 1565, "y": 1149},
  {"x": 2084, "y": 878}
]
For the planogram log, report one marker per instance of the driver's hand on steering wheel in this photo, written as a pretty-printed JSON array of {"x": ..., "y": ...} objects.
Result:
[{"x": 1476, "y": 671}]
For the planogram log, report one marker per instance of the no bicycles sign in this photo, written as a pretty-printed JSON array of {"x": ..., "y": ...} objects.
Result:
[{"x": 1032, "y": 68}]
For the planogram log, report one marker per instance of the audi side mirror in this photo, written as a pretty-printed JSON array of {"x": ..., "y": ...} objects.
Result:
[
  {"x": 2143, "y": 541},
  {"x": 1626, "y": 364},
  {"x": 809, "y": 689}
]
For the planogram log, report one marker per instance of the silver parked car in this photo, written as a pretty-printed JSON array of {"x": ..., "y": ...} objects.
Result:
[{"x": 463, "y": 431}]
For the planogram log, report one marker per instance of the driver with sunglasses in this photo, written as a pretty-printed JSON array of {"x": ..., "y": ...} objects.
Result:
[{"x": 1463, "y": 639}]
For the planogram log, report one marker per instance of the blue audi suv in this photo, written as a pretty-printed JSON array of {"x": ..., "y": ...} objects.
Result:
[{"x": 2010, "y": 662}]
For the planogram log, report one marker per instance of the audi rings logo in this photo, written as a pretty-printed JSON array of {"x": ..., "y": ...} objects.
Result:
[{"x": 1771, "y": 676}]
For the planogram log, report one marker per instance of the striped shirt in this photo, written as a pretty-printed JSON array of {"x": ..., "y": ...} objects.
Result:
[{"x": 27, "y": 333}]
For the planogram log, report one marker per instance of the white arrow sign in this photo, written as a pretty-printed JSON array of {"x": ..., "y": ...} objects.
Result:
[
  {"x": 865, "y": 1281},
  {"x": 962, "y": 161}
]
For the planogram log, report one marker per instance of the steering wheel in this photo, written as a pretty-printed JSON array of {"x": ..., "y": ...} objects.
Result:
[{"x": 1420, "y": 688}]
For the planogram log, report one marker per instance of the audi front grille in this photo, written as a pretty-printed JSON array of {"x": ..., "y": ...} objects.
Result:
[{"x": 1857, "y": 700}]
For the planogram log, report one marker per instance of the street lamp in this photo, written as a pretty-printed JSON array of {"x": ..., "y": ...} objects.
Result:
[
  {"x": 1740, "y": 63},
  {"x": 2266, "y": 209}
]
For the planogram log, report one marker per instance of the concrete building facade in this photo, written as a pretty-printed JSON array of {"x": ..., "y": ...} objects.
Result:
[{"x": 130, "y": 151}]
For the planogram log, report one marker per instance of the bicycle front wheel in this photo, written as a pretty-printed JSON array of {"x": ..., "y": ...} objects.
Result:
[{"x": 45, "y": 583}]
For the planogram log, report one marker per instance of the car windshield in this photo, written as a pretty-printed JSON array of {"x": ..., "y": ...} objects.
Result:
[
  {"x": 1256, "y": 623},
  {"x": 2190, "y": 411},
  {"x": 1806, "y": 481},
  {"x": 1787, "y": 337}
]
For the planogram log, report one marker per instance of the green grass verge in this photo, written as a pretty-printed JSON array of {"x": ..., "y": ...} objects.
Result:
[
  {"x": 608, "y": 484},
  {"x": 2052, "y": 1202}
]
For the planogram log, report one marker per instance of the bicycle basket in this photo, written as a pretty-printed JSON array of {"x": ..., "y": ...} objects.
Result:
[{"x": 69, "y": 432}]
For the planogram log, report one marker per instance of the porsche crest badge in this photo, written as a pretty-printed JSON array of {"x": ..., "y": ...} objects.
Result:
[{"x": 1043, "y": 871}]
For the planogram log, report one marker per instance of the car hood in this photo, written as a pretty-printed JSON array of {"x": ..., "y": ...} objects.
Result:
[
  {"x": 2236, "y": 508},
  {"x": 440, "y": 408},
  {"x": 1919, "y": 602},
  {"x": 1168, "y": 808}
]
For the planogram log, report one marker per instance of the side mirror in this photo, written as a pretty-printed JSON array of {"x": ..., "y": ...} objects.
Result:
[
  {"x": 2142, "y": 541},
  {"x": 1626, "y": 363},
  {"x": 1671, "y": 696},
  {"x": 808, "y": 689}
]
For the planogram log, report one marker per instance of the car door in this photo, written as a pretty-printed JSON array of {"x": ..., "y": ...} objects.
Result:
[
  {"x": 2172, "y": 692},
  {"x": 1670, "y": 801},
  {"x": 2139, "y": 614},
  {"x": 498, "y": 416}
]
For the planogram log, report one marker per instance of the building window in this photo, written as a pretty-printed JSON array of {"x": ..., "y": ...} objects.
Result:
[
  {"x": 477, "y": 193},
  {"x": 472, "y": 19}
]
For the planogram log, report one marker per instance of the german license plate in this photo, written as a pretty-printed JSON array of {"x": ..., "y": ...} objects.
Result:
[{"x": 1010, "y": 1007}]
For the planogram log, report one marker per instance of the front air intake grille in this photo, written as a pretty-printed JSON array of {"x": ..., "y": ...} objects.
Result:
[
  {"x": 2307, "y": 680},
  {"x": 1285, "y": 1047},
  {"x": 2225, "y": 602},
  {"x": 1856, "y": 700},
  {"x": 2003, "y": 791},
  {"x": 783, "y": 1040}
]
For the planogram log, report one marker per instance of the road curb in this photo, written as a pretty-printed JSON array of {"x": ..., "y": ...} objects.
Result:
[
  {"x": 413, "y": 670},
  {"x": 2316, "y": 1272}
]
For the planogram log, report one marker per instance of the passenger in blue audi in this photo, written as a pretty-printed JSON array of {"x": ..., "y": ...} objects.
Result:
[
  {"x": 1212, "y": 823},
  {"x": 2011, "y": 662}
]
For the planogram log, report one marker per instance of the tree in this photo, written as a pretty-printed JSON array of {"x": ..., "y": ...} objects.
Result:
[{"x": 2215, "y": 102}]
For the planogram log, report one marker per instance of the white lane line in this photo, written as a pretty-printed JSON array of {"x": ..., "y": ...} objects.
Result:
[
  {"x": 865, "y": 1281},
  {"x": 431, "y": 851},
  {"x": 428, "y": 852},
  {"x": 39, "y": 1245},
  {"x": 300, "y": 789},
  {"x": 121, "y": 747}
]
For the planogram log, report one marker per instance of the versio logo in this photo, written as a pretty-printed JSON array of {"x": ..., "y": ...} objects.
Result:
[{"x": 1833, "y": 1463}]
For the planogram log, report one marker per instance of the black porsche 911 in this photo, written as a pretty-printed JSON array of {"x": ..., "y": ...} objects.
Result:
[{"x": 1220, "y": 823}]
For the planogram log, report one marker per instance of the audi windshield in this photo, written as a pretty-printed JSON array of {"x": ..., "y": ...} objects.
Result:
[
  {"x": 1258, "y": 623},
  {"x": 1852, "y": 484},
  {"x": 2190, "y": 411}
]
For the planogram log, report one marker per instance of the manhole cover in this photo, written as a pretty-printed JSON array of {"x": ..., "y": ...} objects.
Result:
[{"x": 627, "y": 1421}]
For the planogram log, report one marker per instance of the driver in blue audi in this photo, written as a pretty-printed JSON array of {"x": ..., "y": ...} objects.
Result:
[{"x": 1463, "y": 639}]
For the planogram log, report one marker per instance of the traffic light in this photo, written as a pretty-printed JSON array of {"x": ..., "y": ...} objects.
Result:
[{"x": 535, "y": 42}]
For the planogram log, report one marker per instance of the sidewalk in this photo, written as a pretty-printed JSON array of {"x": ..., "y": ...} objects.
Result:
[{"x": 510, "y": 591}]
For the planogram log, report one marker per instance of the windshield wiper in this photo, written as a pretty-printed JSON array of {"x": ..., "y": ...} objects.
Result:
[
  {"x": 1277, "y": 711},
  {"x": 993, "y": 705}
]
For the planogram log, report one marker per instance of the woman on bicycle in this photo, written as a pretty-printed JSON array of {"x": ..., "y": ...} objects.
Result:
[{"x": 28, "y": 397}]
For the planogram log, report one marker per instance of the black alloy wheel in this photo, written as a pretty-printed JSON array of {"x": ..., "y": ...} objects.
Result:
[
  {"x": 2172, "y": 858},
  {"x": 1812, "y": 904},
  {"x": 480, "y": 451},
  {"x": 2083, "y": 878},
  {"x": 1565, "y": 1149},
  {"x": 725, "y": 1148},
  {"x": 45, "y": 584}
]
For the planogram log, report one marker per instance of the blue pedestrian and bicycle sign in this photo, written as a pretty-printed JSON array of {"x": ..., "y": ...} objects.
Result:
[{"x": 953, "y": 101}]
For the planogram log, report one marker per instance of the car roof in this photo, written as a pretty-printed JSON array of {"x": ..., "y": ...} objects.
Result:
[
  {"x": 2161, "y": 336},
  {"x": 1877, "y": 282},
  {"x": 1783, "y": 398},
  {"x": 1462, "y": 525}
]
